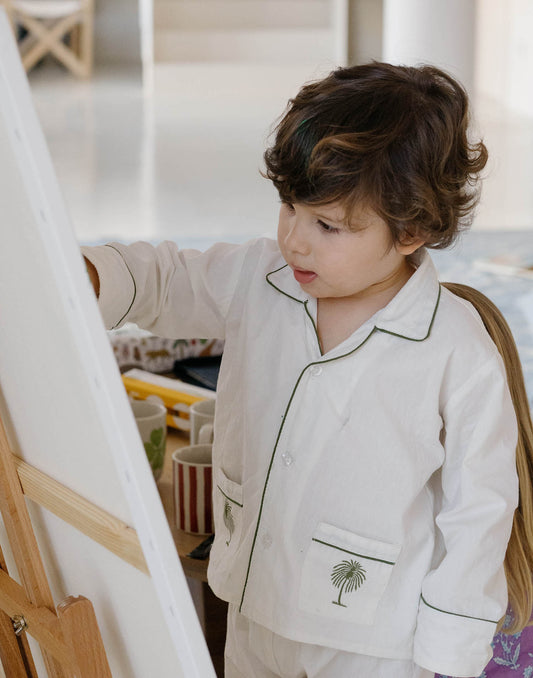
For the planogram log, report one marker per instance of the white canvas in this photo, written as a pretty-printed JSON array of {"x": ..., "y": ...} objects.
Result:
[{"x": 67, "y": 413}]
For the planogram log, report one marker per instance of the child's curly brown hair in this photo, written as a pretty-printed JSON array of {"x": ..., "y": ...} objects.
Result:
[{"x": 393, "y": 138}]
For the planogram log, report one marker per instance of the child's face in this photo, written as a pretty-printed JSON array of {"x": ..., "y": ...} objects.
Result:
[{"x": 328, "y": 260}]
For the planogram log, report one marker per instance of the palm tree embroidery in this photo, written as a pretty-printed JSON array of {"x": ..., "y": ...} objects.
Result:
[
  {"x": 228, "y": 520},
  {"x": 348, "y": 576}
]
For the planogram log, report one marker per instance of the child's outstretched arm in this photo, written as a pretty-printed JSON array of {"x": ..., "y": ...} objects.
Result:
[
  {"x": 163, "y": 289},
  {"x": 168, "y": 291}
]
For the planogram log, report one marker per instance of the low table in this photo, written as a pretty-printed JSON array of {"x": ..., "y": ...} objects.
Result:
[
  {"x": 185, "y": 542},
  {"x": 211, "y": 610}
]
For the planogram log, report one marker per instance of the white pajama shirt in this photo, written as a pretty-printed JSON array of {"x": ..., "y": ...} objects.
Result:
[{"x": 363, "y": 498}]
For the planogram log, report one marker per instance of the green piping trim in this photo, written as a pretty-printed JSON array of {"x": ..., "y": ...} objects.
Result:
[
  {"x": 134, "y": 285},
  {"x": 295, "y": 299},
  {"x": 227, "y": 497},
  {"x": 353, "y": 553},
  {"x": 455, "y": 614},
  {"x": 314, "y": 326},
  {"x": 318, "y": 362},
  {"x": 394, "y": 334},
  {"x": 278, "y": 288}
]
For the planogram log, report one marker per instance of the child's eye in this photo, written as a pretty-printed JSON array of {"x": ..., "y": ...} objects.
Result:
[{"x": 327, "y": 228}]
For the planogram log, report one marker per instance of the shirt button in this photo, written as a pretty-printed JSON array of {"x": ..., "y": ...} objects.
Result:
[
  {"x": 316, "y": 370},
  {"x": 288, "y": 459}
]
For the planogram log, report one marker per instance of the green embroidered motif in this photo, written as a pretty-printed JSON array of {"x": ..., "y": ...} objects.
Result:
[
  {"x": 228, "y": 520},
  {"x": 348, "y": 576}
]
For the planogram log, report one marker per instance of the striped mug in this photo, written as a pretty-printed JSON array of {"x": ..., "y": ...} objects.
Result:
[{"x": 193, "y": 482}]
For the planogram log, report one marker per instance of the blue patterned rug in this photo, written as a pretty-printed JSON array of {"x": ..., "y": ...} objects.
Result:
[{"x": 512, "y": 295}]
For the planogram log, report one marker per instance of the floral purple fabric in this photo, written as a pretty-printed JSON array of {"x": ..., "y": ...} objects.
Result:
[{"x": 513, "y": 656}]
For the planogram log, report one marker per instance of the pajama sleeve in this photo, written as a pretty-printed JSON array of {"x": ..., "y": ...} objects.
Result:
[
  {"x": 465, "y": 594},
  {"x": 168, "y": 291}
]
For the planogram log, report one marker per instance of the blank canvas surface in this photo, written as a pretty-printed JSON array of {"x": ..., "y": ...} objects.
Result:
[{"x": 67, "y": 413}]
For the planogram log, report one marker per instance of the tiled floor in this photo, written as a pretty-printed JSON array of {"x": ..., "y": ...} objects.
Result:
[
  {"x": 184, "y": 163},
  {"x": 180, "y": 164}
]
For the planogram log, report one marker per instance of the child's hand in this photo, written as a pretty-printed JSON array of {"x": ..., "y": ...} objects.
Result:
[{"x": 93, "y": 275}]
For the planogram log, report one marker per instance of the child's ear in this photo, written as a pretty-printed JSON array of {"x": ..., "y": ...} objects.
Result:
[{"x": 408, "y": 244}]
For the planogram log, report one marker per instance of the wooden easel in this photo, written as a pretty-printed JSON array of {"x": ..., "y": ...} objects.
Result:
[{"x": 69, "y": 637}]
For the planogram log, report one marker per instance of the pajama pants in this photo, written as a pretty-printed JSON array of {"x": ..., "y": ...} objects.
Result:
[{"x": 252, "y": 651}]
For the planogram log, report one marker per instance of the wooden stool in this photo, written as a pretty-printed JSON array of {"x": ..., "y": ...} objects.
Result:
[{"x": 48, "y": 23}]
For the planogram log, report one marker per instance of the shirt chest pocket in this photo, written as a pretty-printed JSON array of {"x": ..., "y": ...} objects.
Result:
[{"x": 345, "y": 575}]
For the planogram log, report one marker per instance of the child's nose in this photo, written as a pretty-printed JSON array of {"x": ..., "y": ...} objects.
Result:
[{"x": 296, "y": 239}]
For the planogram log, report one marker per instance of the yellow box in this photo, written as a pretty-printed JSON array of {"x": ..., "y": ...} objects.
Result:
[{"x": 174, "y": 394}]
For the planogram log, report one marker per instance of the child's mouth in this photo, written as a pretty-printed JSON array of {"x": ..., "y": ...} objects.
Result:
[{"x": 304, "y": 277}]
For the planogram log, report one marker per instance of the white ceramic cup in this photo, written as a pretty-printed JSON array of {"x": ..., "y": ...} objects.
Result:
[
  {"x": 192, "y": 477},
  {"x": 202, "y": 415},
  {"x": 151, "y": 419}
]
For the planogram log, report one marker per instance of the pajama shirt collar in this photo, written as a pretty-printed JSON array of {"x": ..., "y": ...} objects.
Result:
[{"x": 408, "y": 315}]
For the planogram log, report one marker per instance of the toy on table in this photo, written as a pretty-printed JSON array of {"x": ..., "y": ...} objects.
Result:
[{"x": 175, "y": 395}]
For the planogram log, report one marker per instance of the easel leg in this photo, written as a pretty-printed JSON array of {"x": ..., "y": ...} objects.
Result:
[
  {"x": 15, "y": 653},
  {"x": 70, "y": 641},
  {"x": 23, "y": 543},
  {"x": 81, "y": 633}
]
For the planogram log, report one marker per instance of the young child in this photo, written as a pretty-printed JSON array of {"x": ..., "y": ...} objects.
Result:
[{"x": 364, "y": 461}]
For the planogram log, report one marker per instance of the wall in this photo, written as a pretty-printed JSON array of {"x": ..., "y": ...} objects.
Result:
[
  {"x": 366, "y": 27},
  {"x": 504, "y": 53},
  {"x": 503, "y": 48},
  {"x": 117, "y": 33},
  {"x": 440, "y": 32}
]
